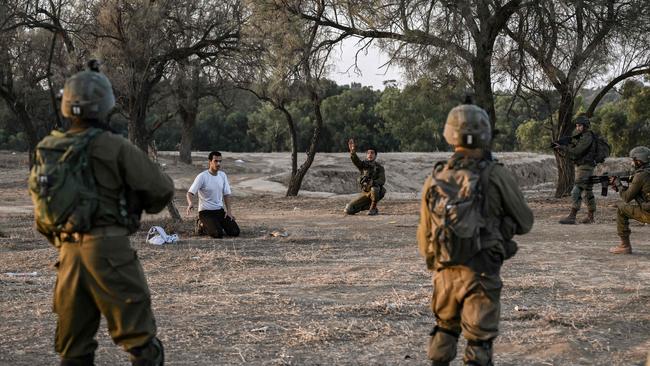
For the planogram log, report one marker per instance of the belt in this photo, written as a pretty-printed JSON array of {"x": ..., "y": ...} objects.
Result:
[{"x": 110, "y": 230}]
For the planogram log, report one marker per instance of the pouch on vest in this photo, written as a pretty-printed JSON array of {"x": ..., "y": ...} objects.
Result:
[
  {"x": 456, "y": 201},
  {"x": 62, "y": 185}
]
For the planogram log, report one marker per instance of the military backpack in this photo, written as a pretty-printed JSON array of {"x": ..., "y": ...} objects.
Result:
[
  {"x": 457, "y": 202},
  {"x": 600, "y": 149},
  {"x": 62, "y": 184}
]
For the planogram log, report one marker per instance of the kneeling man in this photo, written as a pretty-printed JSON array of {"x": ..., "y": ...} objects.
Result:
[{"x": 215, "y": 209}]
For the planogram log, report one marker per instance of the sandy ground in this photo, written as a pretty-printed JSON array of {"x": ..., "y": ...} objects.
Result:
[{"x": 339, "y": 290}]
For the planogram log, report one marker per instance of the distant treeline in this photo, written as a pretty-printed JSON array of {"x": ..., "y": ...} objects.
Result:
[{"x": 408, "y": 119}]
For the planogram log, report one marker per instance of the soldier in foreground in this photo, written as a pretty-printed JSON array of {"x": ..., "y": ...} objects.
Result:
[
  {"x": 580, "y": 152},
  {"x": 372, "y": 180},
  {"x": 106, "y": 182},
  {"x": 471, "y": 209},
  {"x": 638, "y": 190}
]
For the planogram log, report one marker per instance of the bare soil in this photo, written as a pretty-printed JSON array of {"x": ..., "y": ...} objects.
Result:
[{"x": 339, "y": 290}]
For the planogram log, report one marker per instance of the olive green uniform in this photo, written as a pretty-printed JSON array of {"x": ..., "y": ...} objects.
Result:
[
  {"x": 579, "y": 151},
  {"x": 98, "y": 272},
  {"x": 467, "y": 297},
  {"x": 639, "y": 192},
  {"x": 373, "y": 186}
]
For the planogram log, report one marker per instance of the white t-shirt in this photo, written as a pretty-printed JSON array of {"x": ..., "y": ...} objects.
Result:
[{"x": 211, "y": 189}]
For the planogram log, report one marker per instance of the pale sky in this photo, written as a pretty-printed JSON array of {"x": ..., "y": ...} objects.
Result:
[{"x": 369, "y": 65}]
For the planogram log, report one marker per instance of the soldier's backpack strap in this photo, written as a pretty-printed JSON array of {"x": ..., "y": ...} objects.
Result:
[{"x": 485, "y": 172}]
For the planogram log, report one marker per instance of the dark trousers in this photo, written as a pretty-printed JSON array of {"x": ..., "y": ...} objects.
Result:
[{"x": 216, "y": 223}]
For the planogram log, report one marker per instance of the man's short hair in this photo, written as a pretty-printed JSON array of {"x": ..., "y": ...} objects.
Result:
[
  {"x": 213, "y": 154},
  {"x": 372, "y": 148}
]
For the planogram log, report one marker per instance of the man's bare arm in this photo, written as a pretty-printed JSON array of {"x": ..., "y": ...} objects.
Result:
[
  {"x": 190, "y": 205},
  {"x": 228, "y": 203}
]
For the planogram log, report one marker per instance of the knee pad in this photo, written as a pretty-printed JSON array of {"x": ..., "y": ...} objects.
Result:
[
  {"x": 151, "y": 354},
  {"x": 478, "y": 353},
  {"x": 442, "y": 345}
]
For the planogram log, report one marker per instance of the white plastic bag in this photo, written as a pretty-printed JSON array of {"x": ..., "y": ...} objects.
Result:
[{"x": 158, "y": 236}]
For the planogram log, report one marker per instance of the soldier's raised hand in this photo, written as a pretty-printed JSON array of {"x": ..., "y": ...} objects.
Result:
[{"x": 351, "y": 145}]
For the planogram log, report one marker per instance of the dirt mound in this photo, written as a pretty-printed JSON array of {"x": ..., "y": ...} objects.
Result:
[{"x": 405, "y": 172}]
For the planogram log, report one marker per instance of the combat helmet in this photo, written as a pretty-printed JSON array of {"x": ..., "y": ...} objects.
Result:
[
  {"x": 468, "y": 126},
  {"x": 87, "y": 95},
  {"x": 583, "y": 120},
  {"x": 640, "y": 153}
]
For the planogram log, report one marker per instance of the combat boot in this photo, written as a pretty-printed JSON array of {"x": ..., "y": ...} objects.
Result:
[
  {"x": 86, "y": 360},
  {"x": 151, "y": 354},
  {"x": 589, "y": 219},
  {"x": 571, "y": 218},
  {"x": 373, "y": 211},
  {"x": 623, "y": 248}
]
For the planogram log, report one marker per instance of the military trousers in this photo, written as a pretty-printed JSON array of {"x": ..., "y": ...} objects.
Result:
[
  {"x": 468, "y": 302},
  {"x": 363, "y": 201},
  {"x": 581, "y": 190},
  {"x": 100, "y": 274},
  {"x": 216, "y": 223},
  {"x": 627, "y": 211}
]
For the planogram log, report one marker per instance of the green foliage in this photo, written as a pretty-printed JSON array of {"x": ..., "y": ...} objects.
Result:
[
  {"x": 16, "y": 142},
  {"x": 510, "y": 116},
  {"x": 269, "y": 129},
  {"x": 351, "y": 114},
  {"x": 416, "y": 116},
  {"x": 218, "y": 129},
  {"x": 616, "y": 121},
  {"x": 534, "y": 135}
]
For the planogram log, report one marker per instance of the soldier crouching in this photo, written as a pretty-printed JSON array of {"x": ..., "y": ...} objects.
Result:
[
  {"x": 372, "y": 182},
  {"x": 639, "y": 191}
]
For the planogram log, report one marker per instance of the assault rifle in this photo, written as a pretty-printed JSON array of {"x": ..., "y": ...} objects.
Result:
[
  {"x": 562, "y": 141},
  {"x": 603, "y": 180},
  {"x": 365, "y": 182}
]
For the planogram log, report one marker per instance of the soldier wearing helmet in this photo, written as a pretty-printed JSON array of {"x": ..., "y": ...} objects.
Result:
[
  {"x": 466, "y": 294},
  {"x": 98, "y": 273},
  {"x": 372, "y": 180},
  {"x": 639, "y": 192},
  {"x": 580, "y": 151}
]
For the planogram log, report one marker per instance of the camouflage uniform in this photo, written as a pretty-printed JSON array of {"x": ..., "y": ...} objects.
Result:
[
  {"x": 373, "y": 187},
  {"x": 467, "y": 297},
  {"x": 639, "y": 189},
  {"x": 579, "y": 151},
  {"x": 98, "y": 272}
]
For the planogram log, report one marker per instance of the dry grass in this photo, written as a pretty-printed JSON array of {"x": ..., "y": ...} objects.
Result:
[{"x": 344, "y": 290}]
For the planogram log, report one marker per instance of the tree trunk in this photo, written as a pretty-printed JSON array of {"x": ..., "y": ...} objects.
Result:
[
  {"x": 481, "y": 69},
  {"x": 296, "y": 179},
  {"x": 565, "y": 174},
  {"x": 171, "y": 207},
  {"x": 565, "y": 169},
  {"x": 138, "y": 129},
  {"x": 32, "y": 140},
  {"x": 20, "y": 110},
  {"x": 294, "y": 140},
  {"x": 185, "y": 150},
  {"x": 187, "y": 113},
  {"x": 173, "y": 211},
  {"x": 187, "y": 91}
]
